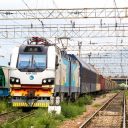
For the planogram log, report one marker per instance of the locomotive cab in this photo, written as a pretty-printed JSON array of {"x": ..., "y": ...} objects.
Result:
[{"x": 32, "y": 73}]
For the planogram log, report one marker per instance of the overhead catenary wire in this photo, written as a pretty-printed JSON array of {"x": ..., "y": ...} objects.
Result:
[
  {"x": 38, "y": 14},
  {"x": 32, "y": 13}
]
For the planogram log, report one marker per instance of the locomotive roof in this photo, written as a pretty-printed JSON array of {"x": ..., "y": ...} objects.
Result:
[{"x": 32, "y": 48}]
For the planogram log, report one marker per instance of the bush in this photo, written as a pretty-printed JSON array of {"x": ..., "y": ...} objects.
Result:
[
  {"x": 88, "y": 99},
  {"x": 60, "y": 117},
  {"x": 80, "y": 101},
  {"x": 71, "y": 110},
  {"x": 46, "y": 120}
]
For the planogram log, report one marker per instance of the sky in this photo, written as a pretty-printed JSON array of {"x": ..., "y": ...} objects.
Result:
[
  {"x": 14, "y": 4},
  {"x": 44, "y": 4}
]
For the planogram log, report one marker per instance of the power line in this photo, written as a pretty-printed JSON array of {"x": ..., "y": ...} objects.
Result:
[{"x": 31, "y": 11}]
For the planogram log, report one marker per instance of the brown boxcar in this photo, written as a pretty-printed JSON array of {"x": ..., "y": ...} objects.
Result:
[{"x": 102, "y": 82}]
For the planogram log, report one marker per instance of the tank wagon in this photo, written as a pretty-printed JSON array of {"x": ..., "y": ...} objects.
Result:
[
  {"x": 41, "y": 72},
  {"x": 4, "y": 82}
]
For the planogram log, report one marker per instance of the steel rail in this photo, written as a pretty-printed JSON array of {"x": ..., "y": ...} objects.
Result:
[
  {"x": 27, "y": 115},
  {"x": 5, "y": 113},
  {"x": 124, "y": 111},
  {"x": 22, "y": 117},
  {"x": 4, "y": 117},
  {"x": 88, "y": 121}
]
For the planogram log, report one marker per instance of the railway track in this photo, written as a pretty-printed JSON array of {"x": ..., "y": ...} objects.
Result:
[
  {"x": 110, "y": 115},
  {"x": 13, "y": 116},
  {"x": 4, "y": 117},
  {"x": 22, "y": 117},
  {"x": 127, "y": 112}
]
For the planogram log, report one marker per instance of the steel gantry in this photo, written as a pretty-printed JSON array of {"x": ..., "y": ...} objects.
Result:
[
  {"x": 64, "y": 30},
  {"x": 103, "y": 42},
  {"x": 74, "y": 13}
]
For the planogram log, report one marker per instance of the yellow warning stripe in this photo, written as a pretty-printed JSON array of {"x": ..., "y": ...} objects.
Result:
[
  {"x": 19, "y": 104},
  {"x": 41, "y": 105},
  {"x": 23, "y": 104}
]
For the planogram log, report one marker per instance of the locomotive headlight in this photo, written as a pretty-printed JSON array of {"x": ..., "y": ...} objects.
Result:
[
  {"x": 49, "y": 80},
  {"x": 17, "y": 80},
  {"x": 14, "y": 80},
  {"x": 44, "y": 81}
]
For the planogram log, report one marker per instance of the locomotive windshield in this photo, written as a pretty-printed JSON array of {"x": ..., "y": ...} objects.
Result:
[{"x": 31, "y": 62}]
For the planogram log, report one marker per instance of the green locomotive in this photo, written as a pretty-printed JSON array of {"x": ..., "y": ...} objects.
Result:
[{"x": 4, "y": 81}]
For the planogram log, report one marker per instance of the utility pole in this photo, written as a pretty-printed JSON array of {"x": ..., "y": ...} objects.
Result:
[
  {"x": 89, "y": 56},
  {"x": 79, "y": 45}
]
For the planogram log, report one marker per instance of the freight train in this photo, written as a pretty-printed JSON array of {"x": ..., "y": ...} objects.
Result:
[
  {"x": 40, "y": 73},
  {"x": 4, "y": 82}
]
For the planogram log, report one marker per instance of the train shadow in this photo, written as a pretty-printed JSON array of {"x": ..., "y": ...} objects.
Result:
[{"x": 27, "y": 109}]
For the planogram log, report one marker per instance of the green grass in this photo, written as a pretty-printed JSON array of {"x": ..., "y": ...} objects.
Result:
[
  {"x": 104, "y": 96},
  {"x": 96, "y": 105},
  {"x": 126, "y": 93},
  {"x": 88, "y": 99},
  {"x": 4, "y": 106},
  {"x": 115, "y": 91},
  {"x": 70, "y": 110},
  {"x": 43, "y": 119}
]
